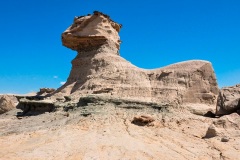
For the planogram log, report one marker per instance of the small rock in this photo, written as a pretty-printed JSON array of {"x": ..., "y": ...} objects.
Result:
[
  {"x": 44, "y": 91},
  {"x": 66, "y": 114},
  {"x": 67, "y": 98},
  {"x": 60, "y": 99},
  {"x": 211, "y": 132},
  {"x": 142, "y": 120},
  {"x": 224, "y": 139},
  {"x": 18, "y": 117}
]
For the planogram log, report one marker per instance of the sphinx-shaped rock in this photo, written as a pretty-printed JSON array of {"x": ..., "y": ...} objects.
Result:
[{"x": 99, "y": 69}]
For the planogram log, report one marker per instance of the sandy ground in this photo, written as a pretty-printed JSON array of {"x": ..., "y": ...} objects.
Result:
[{"x": 110, "y": 134}]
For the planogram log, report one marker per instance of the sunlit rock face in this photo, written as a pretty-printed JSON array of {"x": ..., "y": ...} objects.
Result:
[
  {"x": 7, "y": 103},
  {"x": 228, "y": 100},
  {"x": 99, "y": 69},
  {"x": 90, "y": 32}
]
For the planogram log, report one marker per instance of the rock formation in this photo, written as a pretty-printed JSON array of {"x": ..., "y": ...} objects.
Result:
[
  {"x": 110, "y": 109},
  {"x": 7, "y": 103},
  {"x": 228, "y": 100},
  {"x": 99, "y": 69},
  {"x": 45, "y": 91}
]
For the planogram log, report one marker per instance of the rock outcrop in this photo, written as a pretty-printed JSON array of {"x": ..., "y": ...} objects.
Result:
[
  {"x": 45, "y": 91},
  {"x": 99, "y": 69},
  {"x": 7, "y": 103},
  {"x": 228, "y": 100},
  {"x": 35, "y": 106}
]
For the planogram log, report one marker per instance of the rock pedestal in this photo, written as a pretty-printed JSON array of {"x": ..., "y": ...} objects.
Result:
[{"x": 99, "y": 69}]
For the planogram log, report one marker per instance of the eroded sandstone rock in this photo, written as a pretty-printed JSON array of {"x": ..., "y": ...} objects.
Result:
[
  {"x": 142, "y": 120},
  {"x": 228, "y": 100},
  {"x": 211, "y": 132},
  {"x": 35, "y": 106},
  {"x": 98, "y": 69},
  {"x": 44, "y": 91},
  {"x": 90, "y": 32},
  {"x": 7, "y": 103}
]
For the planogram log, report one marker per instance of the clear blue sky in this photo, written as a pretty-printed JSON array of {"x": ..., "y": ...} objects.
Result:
[{"x": 155, "y": 33}]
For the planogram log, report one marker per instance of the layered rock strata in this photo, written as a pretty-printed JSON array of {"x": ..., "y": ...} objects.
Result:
[
  {"x": 45, "y": 91},
  {"x": 99, "y": 69}
]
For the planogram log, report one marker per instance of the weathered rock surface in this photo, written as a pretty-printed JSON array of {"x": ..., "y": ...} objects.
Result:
[
  {"x": 35, "y": 106},
  {"x": 90, "y": 32},
  {"x": 228, "y": 100},
  {"x": 105, "y": 131},
  {"x": 7, "y": 103},
  {"x": 98, "y": 69},
  {"x": 142, "y": 120},
  {"x": 110, "y": 109},
  {"x": 45, "y": 91},
  {"x": 211, "y": 132}
]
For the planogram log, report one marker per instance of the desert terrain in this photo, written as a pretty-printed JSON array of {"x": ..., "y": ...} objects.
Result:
[{"x": 110, "y": 109}]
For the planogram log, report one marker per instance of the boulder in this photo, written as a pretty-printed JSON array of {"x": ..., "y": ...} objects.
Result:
[
  {"x": 7, "y": 103},
  {"x": 225, "y": 139},
  {"x": 228, "y": 100},
  {"x": 201, "y": 109},
  {"x": 35, "y": 106}
]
